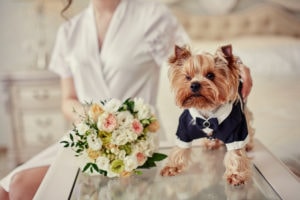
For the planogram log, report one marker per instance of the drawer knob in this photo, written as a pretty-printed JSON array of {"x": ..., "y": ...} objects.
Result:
[
  {"x": 45, "y": 139},
  {"x": 41, "y": 95},
  {"x": 43, "y": 122}
]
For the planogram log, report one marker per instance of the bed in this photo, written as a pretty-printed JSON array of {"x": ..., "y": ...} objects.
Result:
[{"x": 266, "y": 35}]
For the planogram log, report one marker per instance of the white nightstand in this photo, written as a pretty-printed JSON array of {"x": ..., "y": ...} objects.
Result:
[{"x": 34, "y": 104}]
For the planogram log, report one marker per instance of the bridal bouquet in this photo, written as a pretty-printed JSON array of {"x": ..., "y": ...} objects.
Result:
[{"x": 115, "y": 138}]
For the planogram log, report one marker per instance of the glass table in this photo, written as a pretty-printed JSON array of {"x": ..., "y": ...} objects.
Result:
[{"x": 204, "y": 180}]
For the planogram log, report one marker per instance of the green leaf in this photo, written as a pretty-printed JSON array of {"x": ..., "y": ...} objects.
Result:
[
  {"x": 78, "y": 150},
  {"x": 102, "y": 172},
  {"x": 146, "y": 122},
  {"x": 151, "y": 160},
  {"x": 138, "y": 172},
  {"x": 86, "y": 167},
  {"x": 159, "y": 156},
  {"x": 130, "y": 104},
  {"x": 71, "y": 137},
  {"x": 148, "y": 164},
  {"x": 95, "y": 167},
  {"x": 66, "y": 143},
  {"x": 126, "y": 148}
]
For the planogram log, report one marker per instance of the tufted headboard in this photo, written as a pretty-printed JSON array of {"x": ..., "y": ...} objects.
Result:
[{"x": 263, "y": 19}]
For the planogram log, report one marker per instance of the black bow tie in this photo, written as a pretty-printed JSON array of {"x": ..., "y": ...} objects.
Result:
[{"x": 211, "y": 123}]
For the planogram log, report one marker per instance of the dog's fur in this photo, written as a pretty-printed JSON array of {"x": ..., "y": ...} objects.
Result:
[{"x": 218, "y": 79}]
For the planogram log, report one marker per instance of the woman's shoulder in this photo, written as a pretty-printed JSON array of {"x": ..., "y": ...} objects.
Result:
[
  {"x": 149, "y": 7},
  {"x": 71, "y": 25},
  {"x": 147, "y": 3}
]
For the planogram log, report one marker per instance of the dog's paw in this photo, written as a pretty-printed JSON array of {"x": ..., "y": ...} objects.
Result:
[
  {"x": 249, "y": 147},
  {"x": 212, "y": 144},
  {"x": 236, "y": 180},
  {"x": 171, "y": 171}
]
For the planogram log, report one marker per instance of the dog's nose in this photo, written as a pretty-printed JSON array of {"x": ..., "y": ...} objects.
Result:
[{"x": 195, "y": 86}]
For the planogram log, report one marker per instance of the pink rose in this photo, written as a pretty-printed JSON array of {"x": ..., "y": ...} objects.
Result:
[
  {"x": 137, "y": 126},
  {"x": 141, "y": 158},
  {"x": 110, "y": 123}
]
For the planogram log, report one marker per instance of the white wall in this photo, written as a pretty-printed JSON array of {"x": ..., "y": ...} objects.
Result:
[{"x": 22, "y": 30}]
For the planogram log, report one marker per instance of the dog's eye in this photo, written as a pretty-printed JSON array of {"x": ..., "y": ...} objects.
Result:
[
  {"x": 210, "y": 76},
  {"x": 187, "y": 77}
]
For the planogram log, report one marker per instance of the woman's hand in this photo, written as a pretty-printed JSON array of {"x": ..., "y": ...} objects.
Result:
[
  {"x": 70, "y": 101},
  {"x": 247, "y": 81}
]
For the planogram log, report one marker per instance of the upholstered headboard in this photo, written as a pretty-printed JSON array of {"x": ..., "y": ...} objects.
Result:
[{"x": 263, "y": 19}]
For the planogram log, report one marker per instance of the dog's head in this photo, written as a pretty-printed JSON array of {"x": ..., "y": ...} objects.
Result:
[{"x": 204, "y": 81}]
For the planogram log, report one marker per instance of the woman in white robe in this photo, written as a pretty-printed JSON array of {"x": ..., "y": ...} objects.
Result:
[
  {"x": 116, "y": 53},
  {"x": 126, "y": 63}
]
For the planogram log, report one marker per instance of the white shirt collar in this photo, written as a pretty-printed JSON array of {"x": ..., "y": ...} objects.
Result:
[{"x": 221, "y": 114}]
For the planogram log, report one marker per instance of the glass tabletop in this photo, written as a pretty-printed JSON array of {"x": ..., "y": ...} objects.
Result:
[{"x": 203, "y": 180}]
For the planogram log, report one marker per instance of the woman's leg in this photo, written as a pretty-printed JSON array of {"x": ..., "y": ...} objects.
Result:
[
  {"x": 3, "y": 194},
  {"x": 24, "y": 184}
]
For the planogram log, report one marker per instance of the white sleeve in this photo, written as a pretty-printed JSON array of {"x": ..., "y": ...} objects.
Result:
[
  {"x": 163, "y": 33},
  {"x": 58, "y": 62},
  {"x": 183, "y": 144}
]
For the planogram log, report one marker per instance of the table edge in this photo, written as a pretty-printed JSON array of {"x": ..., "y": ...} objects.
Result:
[{"x": 283, "y": 181}]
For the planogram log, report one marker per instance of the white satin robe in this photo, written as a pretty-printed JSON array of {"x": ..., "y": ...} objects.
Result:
[{"x": 140, "y": 36}]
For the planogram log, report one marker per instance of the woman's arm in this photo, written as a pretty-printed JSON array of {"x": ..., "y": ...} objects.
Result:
[{"x": 71, "y": 107}]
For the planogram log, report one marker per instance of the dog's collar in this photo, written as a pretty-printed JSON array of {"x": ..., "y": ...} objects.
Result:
[{"x": 221, "y": 114}]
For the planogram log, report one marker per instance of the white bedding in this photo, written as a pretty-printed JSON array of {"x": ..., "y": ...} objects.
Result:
[
  {"x": 274, "y": 100},
  {"x": 265, "y": 55}
]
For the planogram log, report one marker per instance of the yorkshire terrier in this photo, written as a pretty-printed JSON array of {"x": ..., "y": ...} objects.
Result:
[{"x": 208, "y": 88}]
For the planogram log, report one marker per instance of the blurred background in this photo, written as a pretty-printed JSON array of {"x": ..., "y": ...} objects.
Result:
[{"x": 264, "y": 33}]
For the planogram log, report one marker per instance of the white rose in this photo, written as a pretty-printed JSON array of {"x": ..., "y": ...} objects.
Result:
[
  {"x": 130, "y": 163},
  {"x": 143, "y": 109},
  {"x": 82, "y": 128},
  {"x": 111, "y": 174},
  {"x": 94, "y": 142},
  {"x": 118, "y": 137},
  {"x": 152, "y": 141},
  {"x": 121, "y": 154},
  {"x": 103, "y": 163},
  {"x": 129, "y": 134},
  {"x": 136, "y": 147},
  {"x": 112, "y": 105},
  {"x": 124, "y": 118},
  {"x": 146, "y": 146}
]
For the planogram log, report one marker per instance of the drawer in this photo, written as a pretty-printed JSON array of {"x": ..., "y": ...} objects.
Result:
[
  {"x": 42, "y": 129},
  {"x": 36, "y": 95}
]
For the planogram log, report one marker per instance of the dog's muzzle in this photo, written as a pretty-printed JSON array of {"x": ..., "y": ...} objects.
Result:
[{"x": 195, "y": 87}]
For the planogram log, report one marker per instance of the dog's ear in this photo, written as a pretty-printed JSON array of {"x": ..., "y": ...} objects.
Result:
[
  {"x": 225, "y": 53},
  {"x": 227, "y": 50},
  {"x": 180, "y": 55}
]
